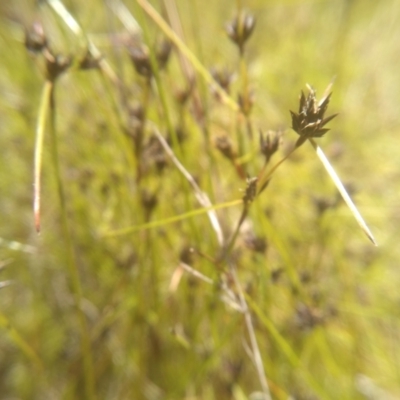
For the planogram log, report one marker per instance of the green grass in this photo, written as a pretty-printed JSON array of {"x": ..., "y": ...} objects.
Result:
[{"x": 108, "y": 301}]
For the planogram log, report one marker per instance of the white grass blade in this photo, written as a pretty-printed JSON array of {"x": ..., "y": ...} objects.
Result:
[
  {"x": 200, "y": 195},
  {"x": 332, "y": 173},
  {"x": 59, "y": 8}
]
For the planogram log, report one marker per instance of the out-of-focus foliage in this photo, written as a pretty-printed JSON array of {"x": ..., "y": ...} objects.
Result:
[{"x": 324, "y": 301}]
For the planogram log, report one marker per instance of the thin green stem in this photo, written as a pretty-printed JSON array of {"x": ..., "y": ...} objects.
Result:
[
  {"x": 285, "y": 347},
  {"x": 257, "y": 359},
  {"x": 262, "y": 180},
  {"x": 166, "y": 221},
  {"x": 168, "y": 119},
  {"x": 71, "y": 263},
  {"x": 229, "y": 246},
  {"x": 152, "y": 13},
  {"x": 284, "y": 251},
  {"x": 245, "y": 85}
]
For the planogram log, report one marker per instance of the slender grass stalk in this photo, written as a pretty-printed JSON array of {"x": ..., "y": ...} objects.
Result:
[
  {"x": 153, "y": 14},
  {"x": 173, "y": 16},
  {"x": 200, "y": 195},
  {"x": 229, "y": 246},
  {"x": 88, "y": 371},
  {"x": 167, "y": 116},
  {"x": 123, "y": 142},
  {"x": 263, "y": 180},
  {"x": 20, "y": 342},
  {"x": 253, "y": 340},
  {"x": 240, "y": 139},
  {"x": 320, "y": 341},
  {"x": 247, "y": 200},
  {"x": 38, "y": 156},
  {"x": 278, "y": 242},
  {"x": 245, "y": 81},
  {"x": 342, "y": 190},
  {"x": 245, "y": 94},
  {"x": 196, "y": 273},
  {"x": 208, "y": 78},
  {"x": 202, "y": 101},
  {"x": 166, "y": 221},
  {"x": 161, "y": 90},
  {"x": 59, "y": 8},
  {"x": 286, "y": 348}
]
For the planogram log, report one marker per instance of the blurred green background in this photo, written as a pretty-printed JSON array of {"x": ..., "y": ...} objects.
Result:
[{"x": 336, "y": 338}]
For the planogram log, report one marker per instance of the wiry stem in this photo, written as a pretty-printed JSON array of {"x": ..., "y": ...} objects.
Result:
[
  {"x": 71, "y": 263},
  {"x": 152, "y": 13},
  {"x": 243, "y": 303},
  {"x": 262, "y": 180},
  {"x": 229, "y": 246},
  {"x": 253, "y": 340}
]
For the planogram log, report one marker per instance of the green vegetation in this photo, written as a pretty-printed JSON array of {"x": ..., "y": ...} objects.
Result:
[{"x": 192, "y": 244}]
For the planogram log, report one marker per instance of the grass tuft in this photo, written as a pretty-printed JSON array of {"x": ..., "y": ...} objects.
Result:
[{"x": 190, "y": 246}]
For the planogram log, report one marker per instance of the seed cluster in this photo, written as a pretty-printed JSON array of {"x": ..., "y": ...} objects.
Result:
[{"x": 309, "y": 122}]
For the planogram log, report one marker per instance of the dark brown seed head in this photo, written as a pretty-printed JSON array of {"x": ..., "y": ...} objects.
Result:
[
  {"x": 135, "y": 125},
  {"x": 224, "y": 145},
  {"x": 251, "y": 190},
  {"x": 182, "y": 95},
  {"x": 154, "y": 154},
  {"x": 240, "y": 29},
  {"x": 140, "y": 57},
  {"x": 163, "y": 52},
  {"x": 309, "y": 122},
  {"x": 269, "y": 143},
  {"x": 322, "y": 203},
  {"x": 307, "y": 317},
  {"x": 149, "y": 201},
  {"x": 35, "y": 39},
  {"x": 141, "y": 60},
  {"x": 223, "y": 77},
  {"x": 136, "y": 111},
  {"x": 187, "y": 255},
  {"x": 255, "y": 243},
  {"x": 56, "y": 65},
  {"x": 89, "y": 61}
]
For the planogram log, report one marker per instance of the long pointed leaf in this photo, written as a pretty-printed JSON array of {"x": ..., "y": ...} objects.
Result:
[
  {"x": 339, "y": 185},
  {"x": 43, "y": 111}
]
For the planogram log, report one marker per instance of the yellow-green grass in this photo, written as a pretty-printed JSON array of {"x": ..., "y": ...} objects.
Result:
[{"x": 100, "y": 306}]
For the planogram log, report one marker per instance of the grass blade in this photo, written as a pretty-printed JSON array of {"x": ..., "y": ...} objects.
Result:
[
  {"x": 43, "y": 111},
  {"x": 342, "y": 190}
]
